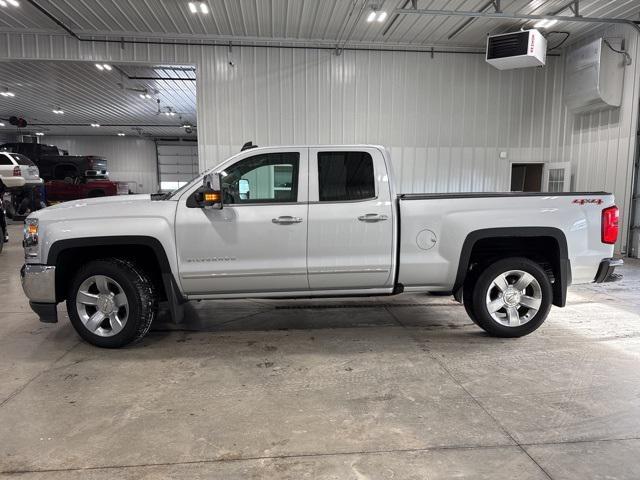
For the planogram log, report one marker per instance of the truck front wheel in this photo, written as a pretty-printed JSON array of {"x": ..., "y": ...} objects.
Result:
[
  {"x": 111, "y": 302},
  {"x": 511, "y": 297}
]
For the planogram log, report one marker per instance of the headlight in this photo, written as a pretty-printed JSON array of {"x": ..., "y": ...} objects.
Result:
[{"x": 30, "y": 242}]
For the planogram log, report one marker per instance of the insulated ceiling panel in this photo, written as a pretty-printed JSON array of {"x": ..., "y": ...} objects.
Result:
[{"x": 109, "y": 98}]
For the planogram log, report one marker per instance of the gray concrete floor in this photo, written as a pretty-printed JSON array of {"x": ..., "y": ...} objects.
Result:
[{"x": 379, "y": 388}]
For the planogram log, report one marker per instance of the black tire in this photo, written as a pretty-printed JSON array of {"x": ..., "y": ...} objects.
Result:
[
  {"x": 485, "y": 278},
  {"x": 96, "y": 194},
  {"x": 140, "y": 293}
]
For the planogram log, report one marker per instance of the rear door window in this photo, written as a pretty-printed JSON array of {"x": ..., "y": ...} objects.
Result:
[{"x": 344, "y": 176}]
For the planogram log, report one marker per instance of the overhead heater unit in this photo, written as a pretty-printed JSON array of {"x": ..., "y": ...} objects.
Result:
[{"x": 526, "y": 48}]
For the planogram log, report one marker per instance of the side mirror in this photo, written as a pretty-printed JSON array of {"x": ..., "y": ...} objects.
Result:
[{"x": 212, "y": 191}]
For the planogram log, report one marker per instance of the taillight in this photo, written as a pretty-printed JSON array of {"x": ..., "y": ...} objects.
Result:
[
  {"x": 610, "y": 225},
  {"x": 16, "y": 172}
]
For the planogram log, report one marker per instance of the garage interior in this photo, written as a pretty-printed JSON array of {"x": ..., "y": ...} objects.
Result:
[{"x": 391, "y": 387}]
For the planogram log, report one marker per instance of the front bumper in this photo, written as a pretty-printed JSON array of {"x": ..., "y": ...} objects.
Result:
[
  {"x": 606, "y": 270},
  {"x": 39, "y": 285}
]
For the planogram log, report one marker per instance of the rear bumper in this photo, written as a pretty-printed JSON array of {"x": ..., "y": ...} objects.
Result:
[
  {"x": 606, "y": 270},
  {"x": 39, "y": 285}
]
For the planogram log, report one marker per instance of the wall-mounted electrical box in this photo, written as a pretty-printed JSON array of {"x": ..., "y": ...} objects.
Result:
[
  {"x": 594, "y": 75},
  {"x": 526, "y": 48}
]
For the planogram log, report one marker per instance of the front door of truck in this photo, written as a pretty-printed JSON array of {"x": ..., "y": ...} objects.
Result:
[
  {"x": 351, "y": 220},
  {"x": 258, "y": 241}
]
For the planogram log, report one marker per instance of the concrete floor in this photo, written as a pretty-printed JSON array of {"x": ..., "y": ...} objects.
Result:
[{"x": 401, "y": 388}]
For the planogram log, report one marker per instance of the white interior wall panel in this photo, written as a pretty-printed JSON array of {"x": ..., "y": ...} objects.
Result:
[
  {"x": 129, "y": 159},
  {"x": 601, "y": 145},
  {"x": 446, "y": 119}
]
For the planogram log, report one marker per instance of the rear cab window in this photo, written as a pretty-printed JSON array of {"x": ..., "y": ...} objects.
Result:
[{"x": 345, "y": 176}]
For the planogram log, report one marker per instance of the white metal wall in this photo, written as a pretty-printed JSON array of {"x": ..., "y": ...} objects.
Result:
[
  {"x": 129, "y": 159},
  {"x": 446, "y": 119}
]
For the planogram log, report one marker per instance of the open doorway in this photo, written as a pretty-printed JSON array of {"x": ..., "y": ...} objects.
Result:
[{"x": 526, "y": 177}]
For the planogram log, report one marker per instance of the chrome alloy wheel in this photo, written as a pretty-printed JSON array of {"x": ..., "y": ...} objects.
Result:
[
  {"x": 102, "y": 305},
  {"x": 514, "y": 298}
]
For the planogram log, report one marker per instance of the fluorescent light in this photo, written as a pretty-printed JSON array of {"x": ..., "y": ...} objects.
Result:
[
  {"x": 7, "y": 93},
  {"x": 372, "y": 16},
  {"x": 121, "y": 134},
  {"x": 39, "y": 134},
  {"x": 1, "y": 124},
  {"x": 58, "y": 111},
  {"x": 95, "y": 125},
  {"x": 204, "y": 8},
  {"x": 193, "y": 8},
  {"x": 3, "y": 3},
  {"x": 99, "y": 66},
  {"x": 382, "y": 17},
  {"x": 106, "y": 66},
  {"x": 15, "y": 3}
]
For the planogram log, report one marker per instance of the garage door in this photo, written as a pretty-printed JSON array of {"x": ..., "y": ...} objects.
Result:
[{"x": 177, "y": 164}]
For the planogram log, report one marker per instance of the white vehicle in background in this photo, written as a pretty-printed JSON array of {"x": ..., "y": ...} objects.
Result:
[
  {"x": 312, "y": 221},
  {"x": 17, "y": 171}
]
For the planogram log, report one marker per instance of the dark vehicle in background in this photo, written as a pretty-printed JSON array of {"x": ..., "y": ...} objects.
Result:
[
  {"x": 67, "y": 177},
  {"x": 57, "y": 164}
]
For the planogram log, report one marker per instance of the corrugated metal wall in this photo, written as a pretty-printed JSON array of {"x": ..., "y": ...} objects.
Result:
[
  {"x": 446, "y": 118},
  {"x": 130, "y": 159},
  {"x": 601, "y": 145}
]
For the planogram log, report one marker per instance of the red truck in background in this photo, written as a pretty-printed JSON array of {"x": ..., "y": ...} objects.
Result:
[
  {"x": 64, "y": 190},
  {"x": 67, "y": 177}
]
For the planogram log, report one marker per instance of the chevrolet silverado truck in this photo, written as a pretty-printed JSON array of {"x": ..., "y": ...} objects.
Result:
[{"x": 312, "y": 221}]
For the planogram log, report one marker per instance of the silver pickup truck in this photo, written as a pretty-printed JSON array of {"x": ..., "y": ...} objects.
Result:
[{"x": 312, "y": 221}]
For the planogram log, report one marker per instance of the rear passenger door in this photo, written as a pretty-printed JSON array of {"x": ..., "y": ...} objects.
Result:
[{"x": 351, "y": 236}]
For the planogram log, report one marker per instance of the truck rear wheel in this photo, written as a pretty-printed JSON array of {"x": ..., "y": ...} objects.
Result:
[
  {"x": 112, "y": 302},
  {"x": 511, "y": 297}
]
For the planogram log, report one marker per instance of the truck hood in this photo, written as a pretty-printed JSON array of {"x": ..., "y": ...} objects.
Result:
[
  {"x": 97, "y": 208},
  {"x": 122, "y": 200}
]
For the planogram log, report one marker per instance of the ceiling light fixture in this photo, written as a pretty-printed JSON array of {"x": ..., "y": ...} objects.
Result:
[
  {"x": 15, "y": 3},
  {"x": 3, "y": 3},
  {"x": 194, "y": 7},
  {"x": 145, "y": 94},
  {"x": 121, "y": 134},
  {"x": 7, "y": 93},
  {"x": 375, "y": 14},
  {"x": 107, "y": 66},
  {"x": 95, "y": 125},
  {"x": 58, "y": 111},
  {"x": 103, "y": 66},
  {"x": 39, "y": 134},
  {"x": 1, "y": 124}
]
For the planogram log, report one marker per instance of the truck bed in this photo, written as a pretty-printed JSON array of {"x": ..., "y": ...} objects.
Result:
[{"x": 435, "y": 229}]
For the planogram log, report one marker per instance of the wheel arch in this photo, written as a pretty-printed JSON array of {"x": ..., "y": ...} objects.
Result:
[
  {"x": 560, "y": 262},
  {"x": 68, "y": 254}
]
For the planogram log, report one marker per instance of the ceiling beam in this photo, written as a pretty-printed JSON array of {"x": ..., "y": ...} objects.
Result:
[{"x": 517, "y": 16}]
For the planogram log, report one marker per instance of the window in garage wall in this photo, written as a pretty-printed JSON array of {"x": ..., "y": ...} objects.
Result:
[{"x": 177, "y": 163}]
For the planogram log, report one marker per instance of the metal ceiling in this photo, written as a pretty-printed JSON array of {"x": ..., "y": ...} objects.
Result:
[
  {"x": 319, "y": 22},
  {"x": 87, "y": 95}
]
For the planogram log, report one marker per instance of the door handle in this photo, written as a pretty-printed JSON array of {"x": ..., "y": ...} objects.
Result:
[
  {"x": 286, "y": 220},
  {"x": 372, "y": 217}
]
